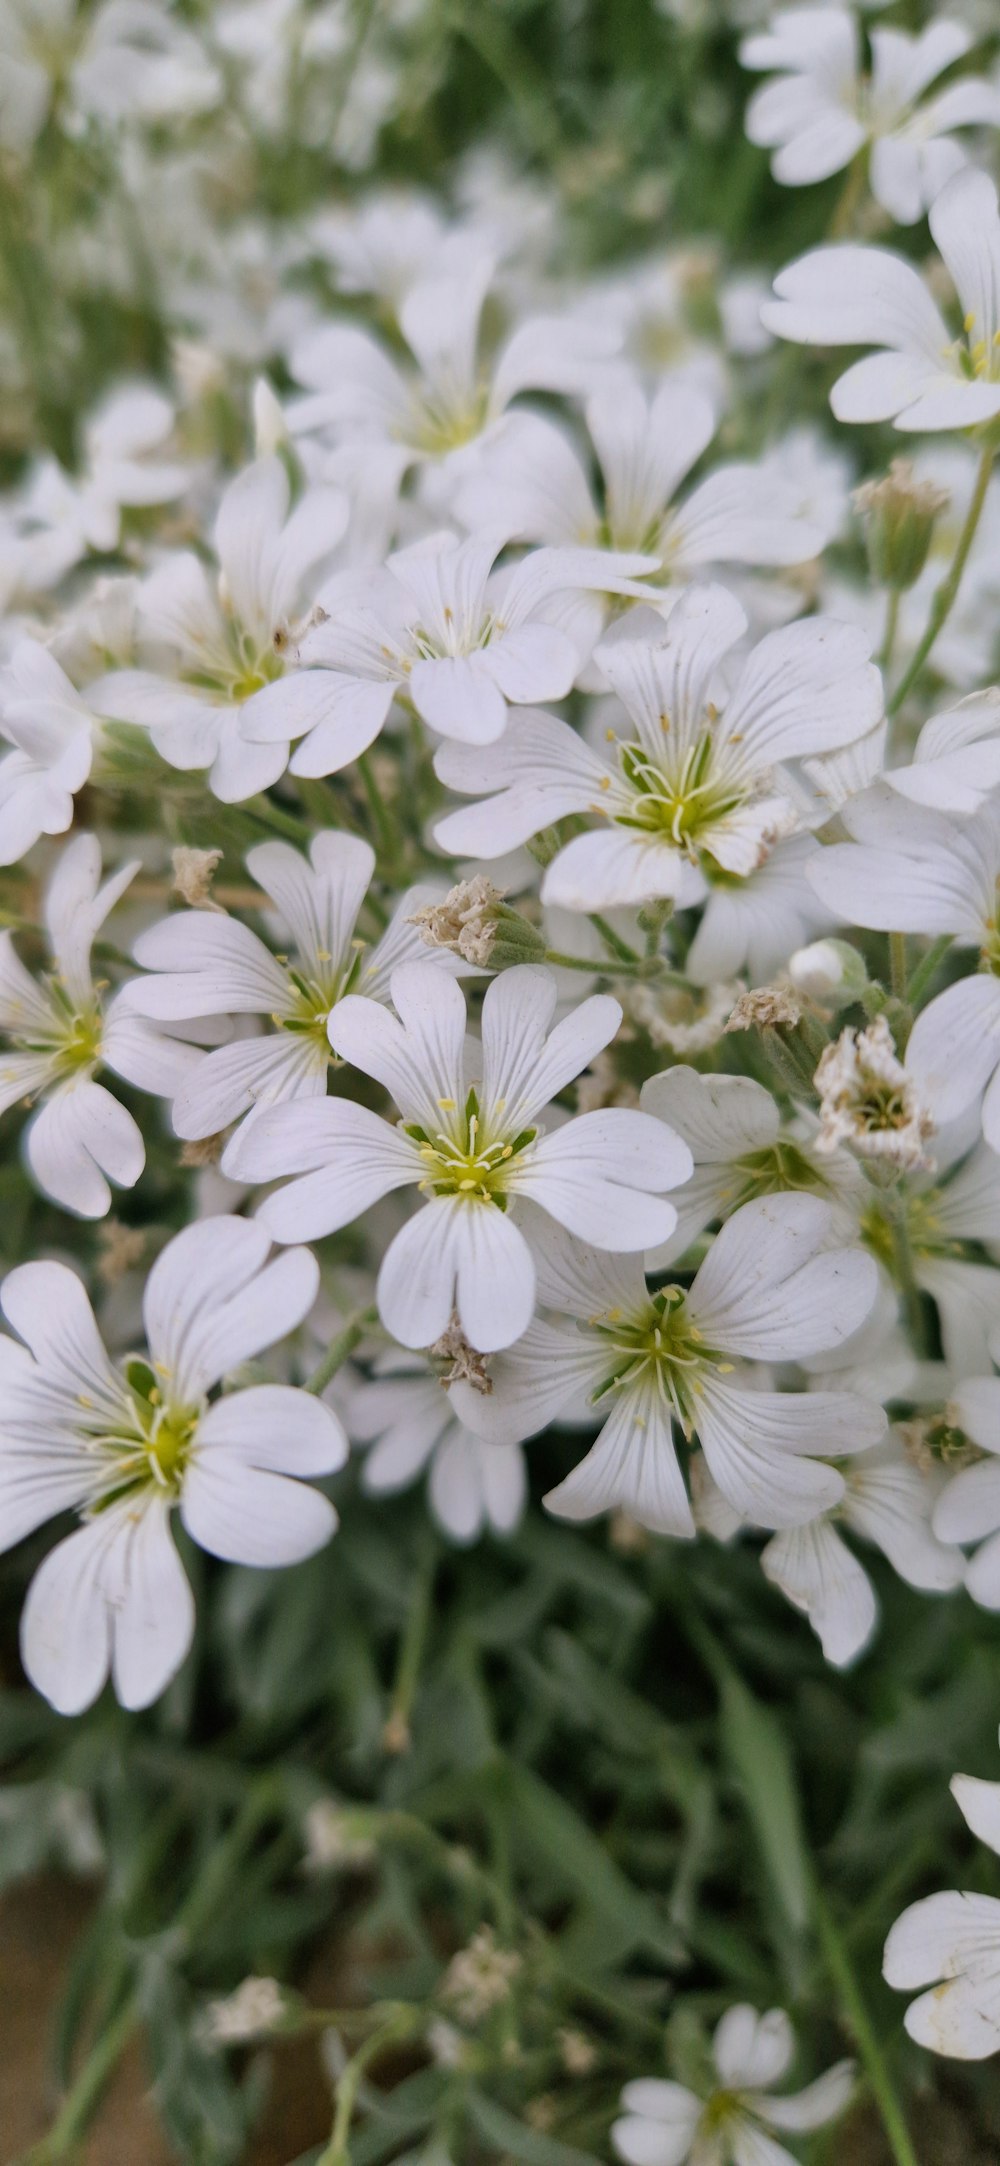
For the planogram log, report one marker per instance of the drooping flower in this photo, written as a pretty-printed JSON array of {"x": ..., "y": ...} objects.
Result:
[
  {"x": 409, "y": 1427},
  {"x": 662, "y": 1368},
  {"x": 471, "y": 1138},
  {"x": 441, "y": 630},
  {"x": 821, "y": 108},
  {"x": 204, "y": 963},
  {"x": 123, "y": 1447},
  {"x": 924, "y": 375},
  {"x": 951, "y": 1943},
  {"x": 969, "y": 1508},
  {"x": 887, "y": 1501},
  {"x": 61, "y": 1034},
  {"x": 217, "y": 646},
  {"x": 690, "y": 778},
  {"x": 665, "y": 2124}
]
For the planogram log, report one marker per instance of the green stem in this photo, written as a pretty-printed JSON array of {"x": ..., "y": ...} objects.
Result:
[
  {"x": 270, "y": 815},
  {"x": 903, "y": 1256},
  {"x": 400, "y": 2024},
  {"x": 341, "y": 1348},
  {"x": 84, "y": 2097},
  {"x": 411, "y": 1650},
  {"x": 944, "y": 598},
  {"x": 842, "y": 221},
  {"x": 875, "y": 2065},
  {"x": 898, "y": 968},
  {"x": 612, "y": 940},
  {"x": 926, "y": 968},
  {"x": 888, "y": 647},
  {"x": 383, "y": 822}
]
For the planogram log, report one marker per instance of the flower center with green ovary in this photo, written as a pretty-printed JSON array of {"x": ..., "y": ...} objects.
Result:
[
  {"x": 679, "y": 806},
  {"x": 440, "y": 424},
  {"x": 312, "y": 999},
  {"x": 663, "y": 1346},
  {"x": 777, "y": 1167},
  {"x": 152, "y": 1447},
  {"x": 80, "y": 1046},
  {"x": 978, "y": 358},
  {"x": 464, "y": 1159}
]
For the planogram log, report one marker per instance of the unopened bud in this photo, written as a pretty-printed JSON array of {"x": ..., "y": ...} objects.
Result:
[
  {"x": 475, "y": 922},
  {"x": 829, "y": 970},
  {"x": 899, "y": 514}
]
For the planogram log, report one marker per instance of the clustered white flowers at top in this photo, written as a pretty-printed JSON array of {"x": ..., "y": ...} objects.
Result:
[{"x": 443, "y": 613}]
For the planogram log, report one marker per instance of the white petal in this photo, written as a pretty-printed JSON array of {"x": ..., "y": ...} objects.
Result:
[
  {"x": 954, "y": 1047},
  {"x": 752, "y": 2052},
  {"x": 601, "y": 1176},
  {"x": 816, "y": 1571},
  {"x": 212, "y": 1301},
  {"x": 812, "y": 2107},
  {"x": 418, "y": 1055},
  {"x": 523, "y": 1068},
  {"x": 457, "y": 1254},
  {"x": 348, "y": 1158},
  {"x": 611, "y": 869},
  {"x": 770, "y": 1287},
  {"x": 77, "y": 1137},
  {"x": 633, "y": 1466}
]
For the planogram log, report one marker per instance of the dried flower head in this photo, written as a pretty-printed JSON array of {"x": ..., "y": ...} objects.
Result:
[
  {"x": 869, "y": 1102},
  {"x": 120, "y": 1248},
  {"x": 333, "y": 1839},
  {"x": 463, "y": 1365},
  {"x": 480, "y": 1976},
  {"x": 766, "y": 1007},
  {"x": 465, "y": 921},
  {"x": 258, "y": 2005},
  {"x": 194, "y": 871}
]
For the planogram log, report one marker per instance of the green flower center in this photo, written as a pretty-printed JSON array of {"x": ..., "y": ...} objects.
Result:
[
  {"x": 681, "y": 803},
  {"x": 314, "y": 997},
  {"x": 439, "y": 423},
  {"x": 663, "y": 1346},
  {"x": 152, "y": 1447},
  {"x": 775, "y": 1168},
  {"x": 465, "y": 1159}
]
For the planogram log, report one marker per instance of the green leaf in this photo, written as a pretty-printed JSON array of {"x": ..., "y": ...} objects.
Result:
[{"x": 517, "y": 2141}]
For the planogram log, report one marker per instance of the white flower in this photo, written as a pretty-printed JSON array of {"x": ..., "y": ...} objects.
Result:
[
  {"x": 956, "y": 758},
  {"x": 209, "y": 964},
  {"x": 532, "y": 485},
  {"x": 969, "y": 1508},
  {"x": 887, "y": 1500},
  {"x": 951, "y": 1942},
  {"x": 53, "y": 733},
  {"x": 690, "y": 778},
  {"x": 128, "y": 60},
  {"x": 409, "y": 1426},
  {"x": 924, "y": 377},
  {"x": 218, "y": 645},
  {"x": 733, "y": 1129},
  {"x": 61, "y": 1034},
  {"x": 820, "y": 109},
  {"x": 125, "y": 466},
  {"x": 470, "y": 1138},
  {"x": 664, "y": 1364},
  {"x": 448, "y": 400},
  {"x": 124, "y": 1447},
  {"x": 917, "y": 871},
  {"x": 665, "y": 2124},
  {"x": 439, "y": 628}
]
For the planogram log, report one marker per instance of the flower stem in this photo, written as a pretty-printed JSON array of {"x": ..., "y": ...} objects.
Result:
[
  {"x": 400, "y": 2023},
  {"x": 926, "y": 967},
  {"x": 341, "y": 1348},
  {"x": 888, "y": 647},
  {"x": 944, "y": 598},
  {"x": 84, "y": 2097},
  {"x": 898, "y": 964},
  {"x": 396, "y": 1734},
  {"x": 876, "y": 2068}
]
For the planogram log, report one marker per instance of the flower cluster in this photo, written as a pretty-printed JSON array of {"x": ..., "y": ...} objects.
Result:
[{"x": 526, "y": 807}]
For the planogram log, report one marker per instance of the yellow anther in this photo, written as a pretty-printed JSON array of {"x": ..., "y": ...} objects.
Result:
[
  {"x": 447, "y": 1105},
  {"x": 969, "y": 321}
]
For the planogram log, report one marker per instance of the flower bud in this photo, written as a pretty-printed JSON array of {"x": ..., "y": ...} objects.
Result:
[
  {"x": 899, "y": 514},
  {"x": 829, "y": 970}
]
